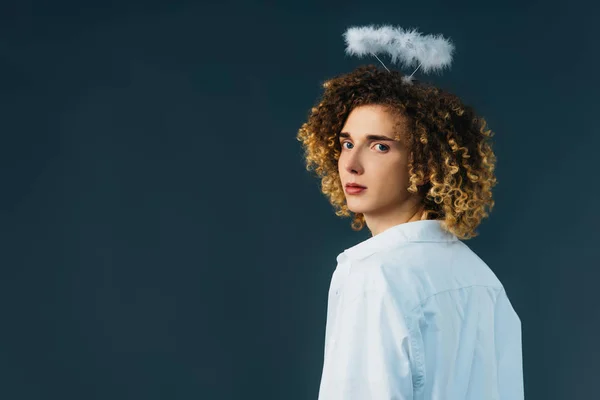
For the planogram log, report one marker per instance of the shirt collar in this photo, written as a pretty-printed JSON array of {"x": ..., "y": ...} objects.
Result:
[{"x": 415, "y": 231}]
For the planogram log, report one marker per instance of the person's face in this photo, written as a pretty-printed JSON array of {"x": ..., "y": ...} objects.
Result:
[{"x": 379, "y": 164}]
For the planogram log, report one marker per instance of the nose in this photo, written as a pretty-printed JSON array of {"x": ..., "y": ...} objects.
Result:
[{"x": 352, "y": 163}]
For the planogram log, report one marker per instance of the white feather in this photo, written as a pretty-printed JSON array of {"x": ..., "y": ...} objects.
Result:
[{"x": 406, "y": 47}]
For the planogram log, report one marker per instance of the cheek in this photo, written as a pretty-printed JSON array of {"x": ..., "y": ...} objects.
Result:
[
  {"x": 395, "y": 169},
  {"x": 394, "y": 175},
  {"x": 340, "y": 161}
]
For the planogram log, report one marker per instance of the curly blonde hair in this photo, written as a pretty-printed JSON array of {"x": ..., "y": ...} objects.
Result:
[{"x": 451, "y": 163}]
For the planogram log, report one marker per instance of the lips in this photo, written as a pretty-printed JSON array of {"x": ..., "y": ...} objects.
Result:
[
  {"x": 354, "y": 185},
  {"x": 350, "y": 189}
]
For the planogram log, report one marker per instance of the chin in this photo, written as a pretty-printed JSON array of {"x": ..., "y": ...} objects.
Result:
[{"x": 358, "y": 208}]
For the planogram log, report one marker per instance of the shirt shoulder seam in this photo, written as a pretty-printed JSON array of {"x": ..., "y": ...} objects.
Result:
[{"x": 497, "y": 288}]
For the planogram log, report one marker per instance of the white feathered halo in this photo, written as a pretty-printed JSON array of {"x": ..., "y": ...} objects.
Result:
[{"x": 406, "y": 47}]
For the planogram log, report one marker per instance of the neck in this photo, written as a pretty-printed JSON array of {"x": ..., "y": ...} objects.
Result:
[{"x": 402, "y": 215}]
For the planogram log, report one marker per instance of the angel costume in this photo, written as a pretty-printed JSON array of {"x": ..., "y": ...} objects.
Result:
[{"x": 413, "y": 313}]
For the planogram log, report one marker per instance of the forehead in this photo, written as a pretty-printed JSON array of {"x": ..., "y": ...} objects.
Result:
[{"x": 375, "y": 119}]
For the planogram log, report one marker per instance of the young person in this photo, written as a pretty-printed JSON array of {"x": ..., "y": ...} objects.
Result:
[{"x": 413, "y": 312}]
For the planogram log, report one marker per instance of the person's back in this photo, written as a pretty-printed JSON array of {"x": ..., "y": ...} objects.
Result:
[
  {"x": 470, "y": 335},
  {"x": 418, "y": 290}
]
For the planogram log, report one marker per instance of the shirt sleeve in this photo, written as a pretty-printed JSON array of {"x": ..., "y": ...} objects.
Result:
[{"x": 371, "y": 354}]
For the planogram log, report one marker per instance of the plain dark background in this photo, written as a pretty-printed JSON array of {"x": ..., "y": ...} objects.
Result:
[{"x": 161, "y": 239}]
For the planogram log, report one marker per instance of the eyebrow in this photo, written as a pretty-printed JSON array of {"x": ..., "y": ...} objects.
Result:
[{"x": 369, "y": 137}]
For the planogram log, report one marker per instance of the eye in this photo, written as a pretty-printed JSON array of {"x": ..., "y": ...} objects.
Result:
[
  {"x": 385, "y": 148},
  {"x": 343, "y": 143}
]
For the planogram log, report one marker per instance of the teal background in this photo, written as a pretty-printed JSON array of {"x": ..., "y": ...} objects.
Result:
[{"x": 160, "y": 238}]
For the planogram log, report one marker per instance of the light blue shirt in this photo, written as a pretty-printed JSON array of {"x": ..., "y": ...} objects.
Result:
[{"x": 413, "y": 313}]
